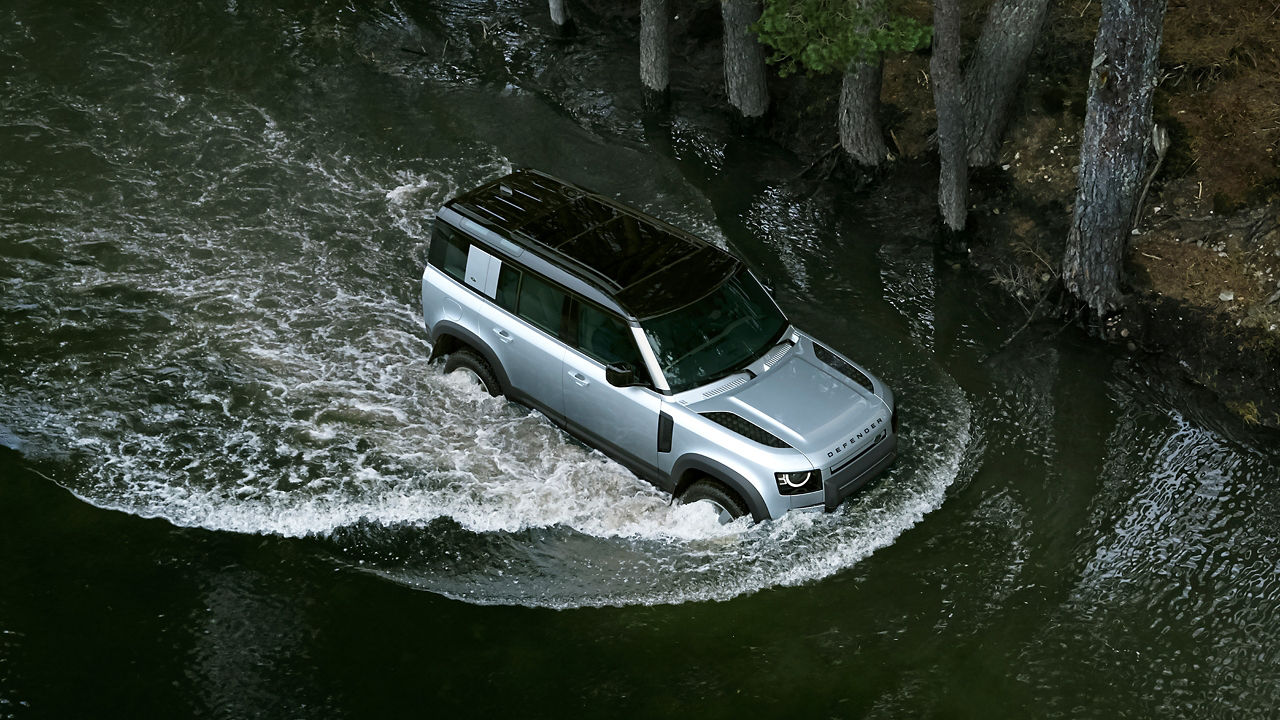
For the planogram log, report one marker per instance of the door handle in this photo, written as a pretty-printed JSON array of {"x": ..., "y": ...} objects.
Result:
[
  {"x": 579, "y": 378},
  {"x": 503, "y": 335}
]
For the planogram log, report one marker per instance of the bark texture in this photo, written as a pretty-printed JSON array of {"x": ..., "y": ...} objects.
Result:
[
  {"x": 1113, "y": 157},
  {"x": 655, "y": 51},
  {"x": 860, "y": 132},
  {"x": 995, "y": 71},
  {"x": 744, "y": 71},
  {"x": 953, "y": 178}
]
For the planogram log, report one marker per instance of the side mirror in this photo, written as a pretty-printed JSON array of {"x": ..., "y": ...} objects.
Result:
[{"x": 620, "y": 375}]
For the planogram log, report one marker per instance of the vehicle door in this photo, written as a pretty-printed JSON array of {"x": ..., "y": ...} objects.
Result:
[
  {"x": 622, "y": 421},
  {"x": 523, "y": 327}
]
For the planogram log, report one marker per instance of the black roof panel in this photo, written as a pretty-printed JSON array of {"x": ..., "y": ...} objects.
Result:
[{"x": 649, "y": 266}]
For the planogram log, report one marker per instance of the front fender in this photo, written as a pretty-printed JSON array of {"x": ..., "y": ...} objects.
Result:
[{"x": 719, "y": 471}]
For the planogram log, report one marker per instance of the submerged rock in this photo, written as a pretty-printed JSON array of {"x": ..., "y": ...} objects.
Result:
[{"x": 9, "y": 440}]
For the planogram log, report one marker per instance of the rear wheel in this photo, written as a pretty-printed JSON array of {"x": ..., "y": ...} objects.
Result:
[
  {"x": 469, "y": 362},
  {"x": 726, "y": 502}
]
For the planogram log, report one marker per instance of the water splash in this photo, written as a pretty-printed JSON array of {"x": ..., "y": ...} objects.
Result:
[{"x": 227, "y": 337}]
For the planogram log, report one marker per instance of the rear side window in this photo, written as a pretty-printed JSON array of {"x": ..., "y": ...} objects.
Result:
[
  {"x": 448, "y": 251},
  {"x": 542, "y": 304},
  {"x": 508, "y": 287}
]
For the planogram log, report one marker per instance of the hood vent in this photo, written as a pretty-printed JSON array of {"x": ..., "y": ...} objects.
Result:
[
  {"x": 745, "y": 428},
  {"x": 776, "y": 354}
]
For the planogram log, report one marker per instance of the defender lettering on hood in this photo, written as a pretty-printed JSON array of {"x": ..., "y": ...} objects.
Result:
[{"x": 864, "y": 432}]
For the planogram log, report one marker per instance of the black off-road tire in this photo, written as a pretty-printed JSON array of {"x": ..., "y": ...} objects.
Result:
[
  {"x": 469, "y": 361},
  {"x": 723, "y": 499}
]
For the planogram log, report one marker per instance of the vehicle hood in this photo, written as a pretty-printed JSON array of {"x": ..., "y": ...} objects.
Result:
[{"x": 812, "y": 407}]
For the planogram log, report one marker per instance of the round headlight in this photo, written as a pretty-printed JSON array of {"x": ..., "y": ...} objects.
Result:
[{"x": 791, "y": 483}]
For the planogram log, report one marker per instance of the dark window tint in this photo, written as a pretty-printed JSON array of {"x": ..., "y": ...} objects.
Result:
[
  {"x": 542, "y": 304},
  {"x": 608, "y": 339},
  {"x": 508, "y": 287},
  {"x": 448, "y": 250}
]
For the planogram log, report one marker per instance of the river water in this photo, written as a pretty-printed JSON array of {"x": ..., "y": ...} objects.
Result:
[{"x": 231, "y": 485}]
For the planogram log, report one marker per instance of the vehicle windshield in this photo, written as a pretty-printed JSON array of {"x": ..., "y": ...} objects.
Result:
[{"x": 717, "y": 335}]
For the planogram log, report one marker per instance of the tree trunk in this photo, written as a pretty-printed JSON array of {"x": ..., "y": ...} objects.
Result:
[
  {"x": 1113, "y": 151},
  {"x": 953, "y": 179},
  {"x": 655, "y": 52},
  {"x": 744, "y": 58},
  {"x": 996, "y": 70},
  {"x": 560, "y": 17},
  {"x": 860, "y": 133}
]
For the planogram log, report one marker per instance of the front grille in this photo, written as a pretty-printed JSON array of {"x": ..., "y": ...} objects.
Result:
[
  {"x": 853, "y": 476},
  {"x": 745, "y": 428},
  {"x": 849, "y": 461}
]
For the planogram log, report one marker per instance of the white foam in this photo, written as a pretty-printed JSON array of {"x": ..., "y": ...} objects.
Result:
[{"x": 494, "y": 471}]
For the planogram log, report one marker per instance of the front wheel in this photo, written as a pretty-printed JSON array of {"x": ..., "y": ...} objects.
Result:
[
  {"x": 469, "y": 362},
  {"x": 727, "y": 504}
]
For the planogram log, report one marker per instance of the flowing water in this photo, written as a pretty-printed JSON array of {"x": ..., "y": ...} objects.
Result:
[{"x": 231, "y": 484}]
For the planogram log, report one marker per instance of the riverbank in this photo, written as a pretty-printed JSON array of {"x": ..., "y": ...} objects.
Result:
[{"x": 1203, "y": 270}]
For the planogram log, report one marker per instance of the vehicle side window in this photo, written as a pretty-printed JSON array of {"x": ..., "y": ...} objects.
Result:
[
  {"x": 542, "y": 304},
  {"x": 608, "y": 338},
  {"x": 448, "y": 250},
  {"x": 508, "y": 287}
]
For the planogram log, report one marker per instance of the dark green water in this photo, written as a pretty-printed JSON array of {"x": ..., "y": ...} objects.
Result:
[{"x": 231, "y": 485}]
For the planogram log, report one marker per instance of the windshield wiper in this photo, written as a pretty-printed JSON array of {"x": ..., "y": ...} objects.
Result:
[
  {"x": 730, "y": 371},
  {"x": 744, "y": 368}
]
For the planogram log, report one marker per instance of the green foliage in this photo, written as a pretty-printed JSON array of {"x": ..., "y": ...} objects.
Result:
[{"x": 823, "y": 36}]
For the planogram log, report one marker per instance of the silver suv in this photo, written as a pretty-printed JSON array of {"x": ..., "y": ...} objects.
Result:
[{"x": 652, "y": 345}]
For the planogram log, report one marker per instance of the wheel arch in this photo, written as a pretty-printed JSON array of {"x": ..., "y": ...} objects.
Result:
[
  {"x": 448, "y": 337},
  {"x": 691, "y": 468}
]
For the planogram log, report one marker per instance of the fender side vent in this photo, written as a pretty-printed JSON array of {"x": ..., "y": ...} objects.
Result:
[
  {"x": 843, "y": 367},
  {"x": 745, "y": 428}
]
